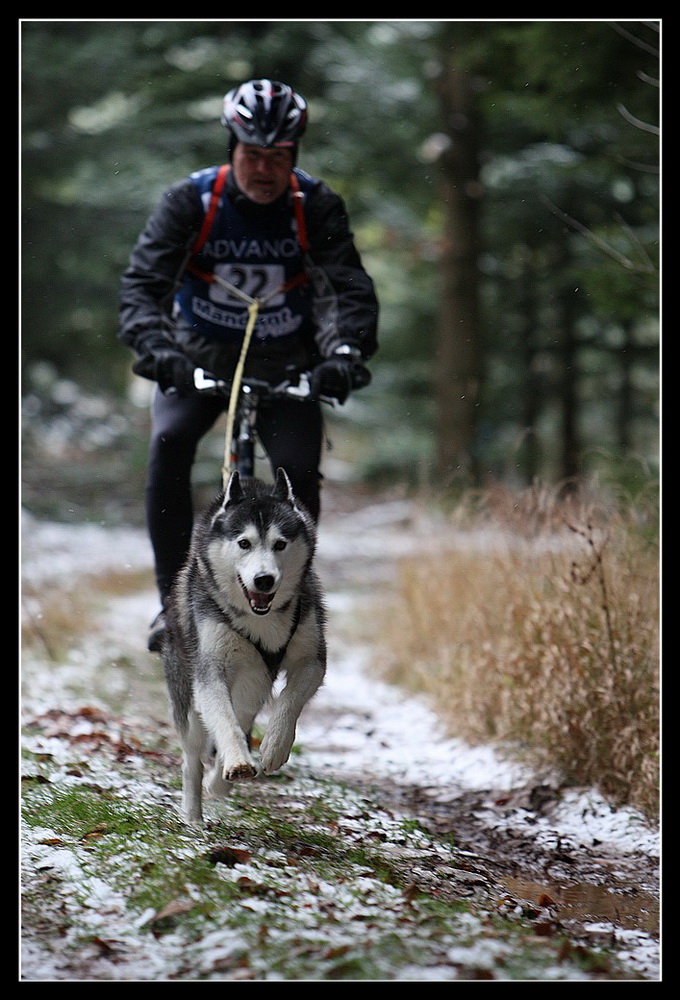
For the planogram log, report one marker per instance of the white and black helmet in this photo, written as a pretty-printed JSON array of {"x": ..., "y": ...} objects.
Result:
[{"x": 265, "y": 113}]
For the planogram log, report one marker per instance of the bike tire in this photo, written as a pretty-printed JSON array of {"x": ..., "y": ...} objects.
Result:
[{"x": 245, "y": 458}]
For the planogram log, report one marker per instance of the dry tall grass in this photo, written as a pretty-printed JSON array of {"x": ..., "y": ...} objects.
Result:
[{"x": 541, "y": 632}]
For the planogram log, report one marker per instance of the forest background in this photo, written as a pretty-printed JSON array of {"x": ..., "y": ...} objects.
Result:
[{"x": 502, "y": 180}]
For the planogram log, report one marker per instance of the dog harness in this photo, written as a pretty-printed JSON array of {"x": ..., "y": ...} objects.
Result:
[{"x": 272, "y": 658}]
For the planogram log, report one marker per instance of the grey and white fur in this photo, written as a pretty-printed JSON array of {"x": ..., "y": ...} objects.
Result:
[{"x": 246, "y": 606}]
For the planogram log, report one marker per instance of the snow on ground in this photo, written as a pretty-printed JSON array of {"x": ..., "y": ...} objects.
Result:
[
  {"x": 380, "y": 732},
  {"x": 356, "y": 724},
  {"x": 58, "y": 551}
]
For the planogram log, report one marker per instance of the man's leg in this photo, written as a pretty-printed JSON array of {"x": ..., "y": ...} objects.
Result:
[
  {"x": 292, "y": 435},
  {"x": 178, "y": 424}
]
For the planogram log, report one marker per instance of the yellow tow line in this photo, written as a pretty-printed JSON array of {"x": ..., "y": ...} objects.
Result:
[{"x": 253, "y": 310}]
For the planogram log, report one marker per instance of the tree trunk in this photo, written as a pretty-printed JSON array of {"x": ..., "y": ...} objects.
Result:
[
  {"x": 570, "y": 440},
  {"x": 458, "y": 374},
  {"x": 625, "y": 404},
  {"x": 530, "y": 453}
]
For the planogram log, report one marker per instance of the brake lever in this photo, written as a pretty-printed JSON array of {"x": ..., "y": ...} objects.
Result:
[
  {"x": 303, "y": 389},
  {"x": 204, "y": 381}
]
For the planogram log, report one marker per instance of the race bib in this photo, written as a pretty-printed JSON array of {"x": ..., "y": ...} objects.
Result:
[{"x": 258, "y": 281}]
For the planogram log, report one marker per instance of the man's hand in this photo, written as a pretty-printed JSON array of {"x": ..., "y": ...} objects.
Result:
[
  {"x": 171, "y": 369},
  {"x": 337, "y": 377}
]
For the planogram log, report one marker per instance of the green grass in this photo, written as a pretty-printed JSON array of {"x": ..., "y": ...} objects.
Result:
[{"x": 292, "y": 879}]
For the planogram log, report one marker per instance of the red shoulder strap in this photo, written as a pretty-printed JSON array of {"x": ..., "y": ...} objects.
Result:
[
  {"x": 298, "y": 208},
  {"x": 212, "y": 208}
]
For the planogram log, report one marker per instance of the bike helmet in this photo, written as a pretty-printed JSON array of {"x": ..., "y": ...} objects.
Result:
[{"x": 265, "y": 113}]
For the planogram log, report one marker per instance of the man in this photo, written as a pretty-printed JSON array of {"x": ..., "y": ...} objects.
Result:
[{"x": 321, "y": 316}]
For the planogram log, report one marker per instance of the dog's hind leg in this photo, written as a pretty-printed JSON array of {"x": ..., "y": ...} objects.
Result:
[
  {"x": 193, "y": 744},
  {"x": 216, "y": 784}
]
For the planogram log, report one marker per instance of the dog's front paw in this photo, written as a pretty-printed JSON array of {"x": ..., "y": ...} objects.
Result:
[
  {"x": 274, "y": 753},
  {"x": 239, "y": 772}
]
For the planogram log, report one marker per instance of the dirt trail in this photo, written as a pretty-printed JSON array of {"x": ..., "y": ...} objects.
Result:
[{"x": 530, "y": 834}]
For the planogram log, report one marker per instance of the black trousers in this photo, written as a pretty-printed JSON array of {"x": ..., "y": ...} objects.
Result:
[{"x": 291, "y": 433}]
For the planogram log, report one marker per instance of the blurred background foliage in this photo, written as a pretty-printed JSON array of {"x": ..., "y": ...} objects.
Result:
[{"x": 564, "y": 242}]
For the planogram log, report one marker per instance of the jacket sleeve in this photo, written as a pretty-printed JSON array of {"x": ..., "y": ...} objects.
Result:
[
  {"x": 345, "y": 302},
  {"x": 156, "y": 264}
]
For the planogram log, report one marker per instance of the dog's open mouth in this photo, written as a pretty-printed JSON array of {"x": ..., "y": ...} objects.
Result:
[{"x": 260, "y": 604}]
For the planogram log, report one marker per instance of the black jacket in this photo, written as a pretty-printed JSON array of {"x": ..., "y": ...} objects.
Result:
[{"x": 149, "y": 324}]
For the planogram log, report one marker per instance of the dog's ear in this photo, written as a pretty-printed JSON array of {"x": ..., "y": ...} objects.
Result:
[
  {"x": 233, "y": 492},
  {"x": 282, "y": 489}
]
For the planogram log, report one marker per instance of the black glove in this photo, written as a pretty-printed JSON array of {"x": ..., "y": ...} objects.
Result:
[
  {"x": 337, "y": 377},
  {"x": 171, "y": 369}
]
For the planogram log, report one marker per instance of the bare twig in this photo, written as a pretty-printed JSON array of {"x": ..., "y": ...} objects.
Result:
[
  {"x": 637, "y": 122},
  {"x": 645, "y": 46},
  {"x": 582, "y": 576},
  {"x": 626, "y": 262}
]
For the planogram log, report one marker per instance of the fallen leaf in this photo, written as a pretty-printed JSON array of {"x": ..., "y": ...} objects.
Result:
[
  {"x": 410, "y": 892},
  {"x": 229, "y": 856},
  {"x": 336, "y": 952},
  {"x": 545, "y": 928},
  {"x": 107, "y": 947},
  {"x": 90, "y": 713},
  {"x": 96, "y": 831},
  {"x": 173, "y": 909}
]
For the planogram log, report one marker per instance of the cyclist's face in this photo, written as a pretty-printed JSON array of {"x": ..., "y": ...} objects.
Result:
[{"x": 262, "y": 174}]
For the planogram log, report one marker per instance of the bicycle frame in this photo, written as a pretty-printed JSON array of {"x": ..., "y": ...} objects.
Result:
[{"x": 242, "y": 455}]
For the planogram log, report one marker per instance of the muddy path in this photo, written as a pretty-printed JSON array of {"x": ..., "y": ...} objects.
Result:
[{"x": 525, "y": 830}]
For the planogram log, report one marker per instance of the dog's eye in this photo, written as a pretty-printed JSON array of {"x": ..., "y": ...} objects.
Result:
[
  {"x": 243, "y": 543},
  {"x": 280, "y": 545}
]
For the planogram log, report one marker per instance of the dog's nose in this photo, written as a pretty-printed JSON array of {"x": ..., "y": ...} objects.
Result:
[{"x": 264, "y": 583}]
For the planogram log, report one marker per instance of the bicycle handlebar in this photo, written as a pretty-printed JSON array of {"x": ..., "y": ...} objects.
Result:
[{"x": 302, "y": 389}]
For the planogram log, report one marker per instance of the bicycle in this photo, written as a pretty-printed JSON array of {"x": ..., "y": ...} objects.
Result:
[{"x": 241, "y": 434}]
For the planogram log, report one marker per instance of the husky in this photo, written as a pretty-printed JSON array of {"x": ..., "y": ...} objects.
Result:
[{"x": 246, "y": 605}]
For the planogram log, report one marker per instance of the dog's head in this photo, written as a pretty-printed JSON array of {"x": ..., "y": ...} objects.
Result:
[
  {"x": 261, "y": 540},
  {"x": 281, "y": 491}
]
